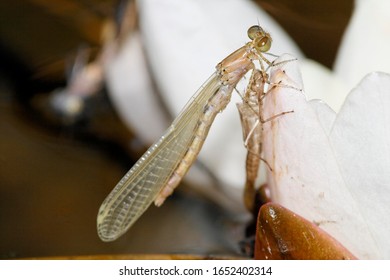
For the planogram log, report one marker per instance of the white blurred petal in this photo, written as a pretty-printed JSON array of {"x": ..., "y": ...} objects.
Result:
[
  {"x": 132, "y": 93},
  {"x": 366, "y": 42}
]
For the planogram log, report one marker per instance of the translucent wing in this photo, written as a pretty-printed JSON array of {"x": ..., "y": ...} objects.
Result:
[{"x": 142, "y": 183}]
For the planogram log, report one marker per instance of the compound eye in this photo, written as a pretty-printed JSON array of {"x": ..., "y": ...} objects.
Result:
[
  {"x": 255, "y": 31},
  {"x": 263, "y": 44}
]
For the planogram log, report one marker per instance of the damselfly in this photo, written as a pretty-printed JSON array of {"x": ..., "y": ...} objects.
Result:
[{"x": 158, "y": 172}]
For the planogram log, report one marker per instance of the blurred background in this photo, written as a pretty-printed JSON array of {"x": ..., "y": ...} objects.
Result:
[{"x": 55, "y": 170}]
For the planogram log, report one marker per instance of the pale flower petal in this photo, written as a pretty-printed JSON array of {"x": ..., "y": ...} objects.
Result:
[
  {"x": 360, "y": 138},
  {"x": 307, "y": 174}
]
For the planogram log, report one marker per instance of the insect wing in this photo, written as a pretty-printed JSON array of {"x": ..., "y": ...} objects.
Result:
[{"x": 142, "y": 183}]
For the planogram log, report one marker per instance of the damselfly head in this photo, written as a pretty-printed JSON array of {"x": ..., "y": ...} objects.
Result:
[{"x": 261, "y": 40}]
